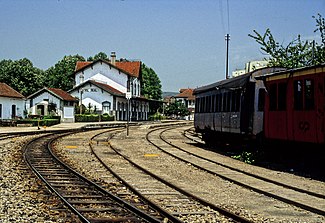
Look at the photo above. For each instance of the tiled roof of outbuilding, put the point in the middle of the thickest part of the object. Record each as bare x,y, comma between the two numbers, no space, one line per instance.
7,91
62,94
186,93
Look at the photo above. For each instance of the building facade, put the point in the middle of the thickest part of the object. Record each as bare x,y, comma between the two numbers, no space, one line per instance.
12,103
112,87
52,101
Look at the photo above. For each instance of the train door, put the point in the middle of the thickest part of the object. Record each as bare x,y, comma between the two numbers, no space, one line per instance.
320,108
304,128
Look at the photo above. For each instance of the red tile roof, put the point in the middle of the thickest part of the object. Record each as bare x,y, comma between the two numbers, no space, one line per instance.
107,88
130,67
62,94
81,64
7,91
186,93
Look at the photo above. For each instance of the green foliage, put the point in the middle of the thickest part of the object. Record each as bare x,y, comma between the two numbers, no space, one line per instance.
246,157
150,83
157,116
297,53
93,118
176,109
39,122
61,75
100,55
21,75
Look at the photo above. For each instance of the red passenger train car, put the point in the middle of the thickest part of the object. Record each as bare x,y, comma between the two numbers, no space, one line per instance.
295,105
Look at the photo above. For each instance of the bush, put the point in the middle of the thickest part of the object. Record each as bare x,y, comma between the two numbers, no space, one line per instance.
93,118
156,116
40,122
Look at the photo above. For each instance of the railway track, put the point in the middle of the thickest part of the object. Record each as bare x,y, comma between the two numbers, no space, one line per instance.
308,200
176,204
89,201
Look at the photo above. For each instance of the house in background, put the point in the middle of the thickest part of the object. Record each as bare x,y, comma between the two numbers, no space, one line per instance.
12,103
186,97
52,101
105,85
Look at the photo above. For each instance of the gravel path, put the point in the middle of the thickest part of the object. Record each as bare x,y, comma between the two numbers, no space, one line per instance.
24,198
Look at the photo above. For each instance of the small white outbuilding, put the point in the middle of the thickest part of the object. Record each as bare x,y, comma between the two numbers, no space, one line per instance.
12,103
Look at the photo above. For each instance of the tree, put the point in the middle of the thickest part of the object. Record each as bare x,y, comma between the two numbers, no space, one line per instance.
100,55
21,75
150,85
61,75
177,109
297,53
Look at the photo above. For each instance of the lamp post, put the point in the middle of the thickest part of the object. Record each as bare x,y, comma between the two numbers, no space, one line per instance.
128,97
80,105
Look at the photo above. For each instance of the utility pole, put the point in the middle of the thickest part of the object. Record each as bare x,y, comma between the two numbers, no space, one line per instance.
227,38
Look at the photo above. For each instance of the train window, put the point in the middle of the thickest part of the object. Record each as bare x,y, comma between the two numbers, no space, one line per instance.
273,97
298,97
219,101
229,101
282,92
261,99
209,104
233,101
203,104
214,103
309,94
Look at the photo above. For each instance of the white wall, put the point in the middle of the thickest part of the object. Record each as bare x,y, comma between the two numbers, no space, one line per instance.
105,74
40,100
7,103
93,95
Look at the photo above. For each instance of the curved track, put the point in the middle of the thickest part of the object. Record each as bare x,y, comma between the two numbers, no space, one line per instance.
176,204
308,200
87,200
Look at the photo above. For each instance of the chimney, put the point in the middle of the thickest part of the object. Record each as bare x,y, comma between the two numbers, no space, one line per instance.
113,58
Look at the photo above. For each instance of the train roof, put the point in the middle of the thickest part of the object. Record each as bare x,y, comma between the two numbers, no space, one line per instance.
282,74
236,82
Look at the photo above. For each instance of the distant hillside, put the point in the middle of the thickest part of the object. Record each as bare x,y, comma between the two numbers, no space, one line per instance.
168,94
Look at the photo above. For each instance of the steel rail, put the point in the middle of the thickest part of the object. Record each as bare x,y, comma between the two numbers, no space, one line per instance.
289,201
100,189
223,211
135,191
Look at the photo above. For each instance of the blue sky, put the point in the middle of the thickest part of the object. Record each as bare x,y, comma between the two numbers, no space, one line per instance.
182,40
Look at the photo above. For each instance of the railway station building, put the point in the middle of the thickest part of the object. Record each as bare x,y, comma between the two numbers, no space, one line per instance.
112,87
